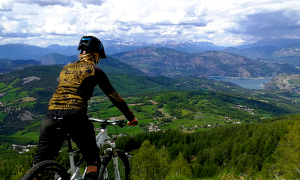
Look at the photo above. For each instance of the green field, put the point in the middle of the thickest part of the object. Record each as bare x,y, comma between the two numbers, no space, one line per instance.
2,116
23,94
2,85
28,104
14,89
191,111
111,112
149,108
164,111
10,86
33,125
32,135
8,97
146,115
126,129
185,112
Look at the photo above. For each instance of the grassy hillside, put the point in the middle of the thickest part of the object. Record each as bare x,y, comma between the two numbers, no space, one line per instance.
24,97
114,66
192,111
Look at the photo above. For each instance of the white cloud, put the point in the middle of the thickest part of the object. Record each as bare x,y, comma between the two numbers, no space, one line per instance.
230,40
168,33
5,5
55,25
221,22
136,30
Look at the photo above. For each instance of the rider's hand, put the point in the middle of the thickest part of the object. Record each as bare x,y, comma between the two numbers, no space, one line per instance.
134,122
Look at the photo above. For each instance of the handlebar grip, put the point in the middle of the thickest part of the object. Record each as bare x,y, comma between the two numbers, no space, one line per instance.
133,123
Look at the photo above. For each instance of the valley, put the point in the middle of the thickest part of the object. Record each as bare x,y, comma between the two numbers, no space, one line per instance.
220,129
190,104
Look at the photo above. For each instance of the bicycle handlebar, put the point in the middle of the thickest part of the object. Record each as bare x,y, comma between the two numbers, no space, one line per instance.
106,122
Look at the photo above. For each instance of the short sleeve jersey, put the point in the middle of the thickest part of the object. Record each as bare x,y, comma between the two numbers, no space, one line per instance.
76,86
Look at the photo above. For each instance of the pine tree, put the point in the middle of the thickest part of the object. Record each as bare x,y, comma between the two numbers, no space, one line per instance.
145,164
287,154
179,168
18,172
164,162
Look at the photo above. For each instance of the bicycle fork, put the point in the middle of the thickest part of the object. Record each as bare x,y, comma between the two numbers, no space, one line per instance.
114,161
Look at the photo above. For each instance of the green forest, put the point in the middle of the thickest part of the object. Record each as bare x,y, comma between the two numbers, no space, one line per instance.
259,150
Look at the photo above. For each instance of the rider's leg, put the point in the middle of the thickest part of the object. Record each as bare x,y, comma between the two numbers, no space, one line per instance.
83,134
50,140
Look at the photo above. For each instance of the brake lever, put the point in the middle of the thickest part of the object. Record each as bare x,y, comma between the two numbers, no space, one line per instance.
120,124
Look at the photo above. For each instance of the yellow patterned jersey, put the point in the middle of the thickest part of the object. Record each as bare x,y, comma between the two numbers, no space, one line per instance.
76,86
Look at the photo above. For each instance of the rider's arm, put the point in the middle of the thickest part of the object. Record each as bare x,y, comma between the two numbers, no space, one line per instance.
114,97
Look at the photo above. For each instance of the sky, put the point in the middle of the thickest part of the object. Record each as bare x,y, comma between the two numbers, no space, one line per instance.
222,22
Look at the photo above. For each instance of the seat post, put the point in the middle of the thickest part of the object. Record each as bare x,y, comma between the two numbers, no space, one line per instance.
71,154
70,149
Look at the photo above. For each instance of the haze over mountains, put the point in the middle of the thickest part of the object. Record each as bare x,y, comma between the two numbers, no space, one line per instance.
24,51
17,51
174,59
172,63
7,65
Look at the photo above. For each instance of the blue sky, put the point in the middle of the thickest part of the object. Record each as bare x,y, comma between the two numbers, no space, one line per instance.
222,22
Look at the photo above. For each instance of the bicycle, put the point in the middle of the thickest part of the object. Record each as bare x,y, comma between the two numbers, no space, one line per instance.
114,162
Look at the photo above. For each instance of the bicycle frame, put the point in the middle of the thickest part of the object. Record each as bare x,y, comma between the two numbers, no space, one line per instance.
101,139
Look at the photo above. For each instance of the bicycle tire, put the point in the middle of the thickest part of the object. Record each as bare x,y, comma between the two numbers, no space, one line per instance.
107,166
46,170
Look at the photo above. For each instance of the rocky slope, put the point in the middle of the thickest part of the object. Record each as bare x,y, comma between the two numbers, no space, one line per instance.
293,50
172,63
283,82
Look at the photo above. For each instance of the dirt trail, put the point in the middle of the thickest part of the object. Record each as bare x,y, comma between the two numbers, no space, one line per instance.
137,104
153,102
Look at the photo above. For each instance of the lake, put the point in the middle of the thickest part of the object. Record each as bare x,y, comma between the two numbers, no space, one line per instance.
245,83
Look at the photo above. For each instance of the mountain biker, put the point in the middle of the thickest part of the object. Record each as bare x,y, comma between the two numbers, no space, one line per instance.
67,110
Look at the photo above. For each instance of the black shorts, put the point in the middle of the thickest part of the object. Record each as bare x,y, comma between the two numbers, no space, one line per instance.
55,127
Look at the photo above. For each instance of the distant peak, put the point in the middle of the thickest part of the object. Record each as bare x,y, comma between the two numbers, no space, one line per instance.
53,46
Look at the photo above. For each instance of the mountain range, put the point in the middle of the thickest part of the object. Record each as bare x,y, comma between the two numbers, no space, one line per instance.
265,58
172,63
168,62
276,42
113,46
285,53
7,65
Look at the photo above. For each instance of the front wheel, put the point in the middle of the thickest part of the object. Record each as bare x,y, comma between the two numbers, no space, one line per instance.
46,170
107,169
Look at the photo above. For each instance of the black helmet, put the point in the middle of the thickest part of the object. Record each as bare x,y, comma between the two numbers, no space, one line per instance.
92,45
